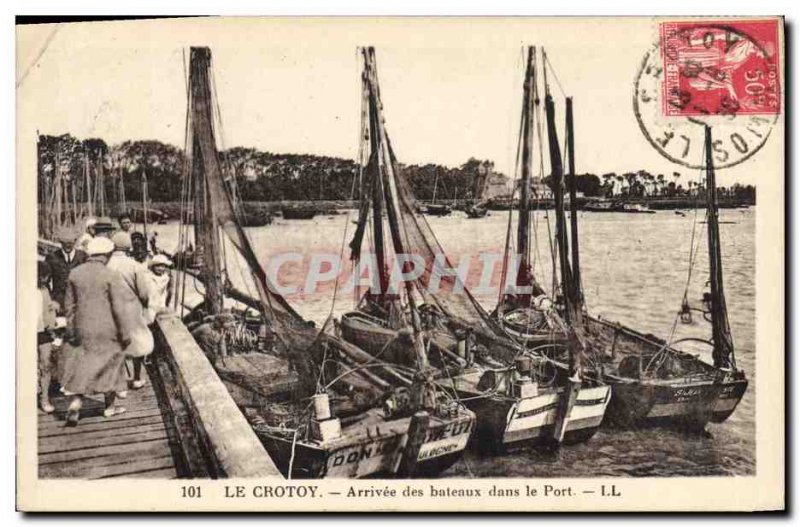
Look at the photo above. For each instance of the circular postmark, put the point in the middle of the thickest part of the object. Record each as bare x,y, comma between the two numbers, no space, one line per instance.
726,76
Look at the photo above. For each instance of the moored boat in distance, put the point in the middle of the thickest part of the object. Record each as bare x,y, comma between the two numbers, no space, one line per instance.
437,209
617,206
299,213
476,211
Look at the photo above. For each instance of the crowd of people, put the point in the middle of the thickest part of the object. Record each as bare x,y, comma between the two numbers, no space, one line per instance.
99,294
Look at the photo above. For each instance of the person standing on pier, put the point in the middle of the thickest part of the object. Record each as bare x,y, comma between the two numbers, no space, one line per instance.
103,227
88,233
136,279
160,286
139,250
45,327
125,222
61,262
98,331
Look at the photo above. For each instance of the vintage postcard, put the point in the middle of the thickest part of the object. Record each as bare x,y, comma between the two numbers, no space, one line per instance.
401,264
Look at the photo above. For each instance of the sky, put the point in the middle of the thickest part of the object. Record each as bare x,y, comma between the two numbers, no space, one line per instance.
452,88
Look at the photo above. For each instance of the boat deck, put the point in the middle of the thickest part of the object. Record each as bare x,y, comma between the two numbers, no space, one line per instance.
136,444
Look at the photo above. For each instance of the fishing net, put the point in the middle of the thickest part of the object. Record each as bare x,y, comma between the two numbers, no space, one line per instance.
383,181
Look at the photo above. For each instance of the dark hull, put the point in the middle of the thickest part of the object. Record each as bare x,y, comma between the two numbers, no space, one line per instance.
687,394
686,406
299,214
438,210
475,213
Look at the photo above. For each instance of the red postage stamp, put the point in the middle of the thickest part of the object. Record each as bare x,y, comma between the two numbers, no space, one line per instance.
721,67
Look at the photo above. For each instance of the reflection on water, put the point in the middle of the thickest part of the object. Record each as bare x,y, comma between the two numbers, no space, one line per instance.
634,270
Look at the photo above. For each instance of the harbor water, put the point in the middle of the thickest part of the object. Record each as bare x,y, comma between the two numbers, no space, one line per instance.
635,269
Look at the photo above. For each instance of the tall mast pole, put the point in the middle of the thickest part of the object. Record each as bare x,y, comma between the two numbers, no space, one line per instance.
523,225
123,202
572,315
573,207
557,173
101,184
393,208
377,181
721,331
204,149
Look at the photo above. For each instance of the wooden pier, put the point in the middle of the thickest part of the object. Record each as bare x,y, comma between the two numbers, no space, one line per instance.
135,444
182,424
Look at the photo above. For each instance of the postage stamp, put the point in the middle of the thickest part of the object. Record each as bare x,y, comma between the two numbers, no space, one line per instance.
721,69
725,74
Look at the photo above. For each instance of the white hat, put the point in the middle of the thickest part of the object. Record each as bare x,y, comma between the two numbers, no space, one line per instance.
91,221
122,241
159,259
99,245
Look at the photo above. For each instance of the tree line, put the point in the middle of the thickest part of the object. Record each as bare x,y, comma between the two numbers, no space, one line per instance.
265,176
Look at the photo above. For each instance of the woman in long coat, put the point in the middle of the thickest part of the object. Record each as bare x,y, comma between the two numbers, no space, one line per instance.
98,331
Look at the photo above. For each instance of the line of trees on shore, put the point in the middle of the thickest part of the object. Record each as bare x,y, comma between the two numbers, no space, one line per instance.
266,176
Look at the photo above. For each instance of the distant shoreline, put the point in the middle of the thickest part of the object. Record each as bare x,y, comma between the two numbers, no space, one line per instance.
263,210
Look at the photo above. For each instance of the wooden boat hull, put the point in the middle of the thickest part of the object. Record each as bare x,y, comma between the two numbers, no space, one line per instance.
299,214
367,333
502,420
370,447
372,451
529,422
437,210
681,405
507,422
476,212
688,399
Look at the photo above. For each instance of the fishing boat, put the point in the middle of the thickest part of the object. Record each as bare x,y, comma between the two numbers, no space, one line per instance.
655,382
617,206
317,409
516,401
433,208
527,314
476,211
636,208
437,209
299,213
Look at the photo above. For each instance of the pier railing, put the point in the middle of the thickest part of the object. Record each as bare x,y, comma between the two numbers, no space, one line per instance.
215,438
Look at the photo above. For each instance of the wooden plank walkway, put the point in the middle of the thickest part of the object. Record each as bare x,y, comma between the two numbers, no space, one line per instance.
136,444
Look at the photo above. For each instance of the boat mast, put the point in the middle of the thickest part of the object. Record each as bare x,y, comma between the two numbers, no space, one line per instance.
721,331
202,135
524,222
557,173
573,208
88,181
396,227
101,184
377,184
120,172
